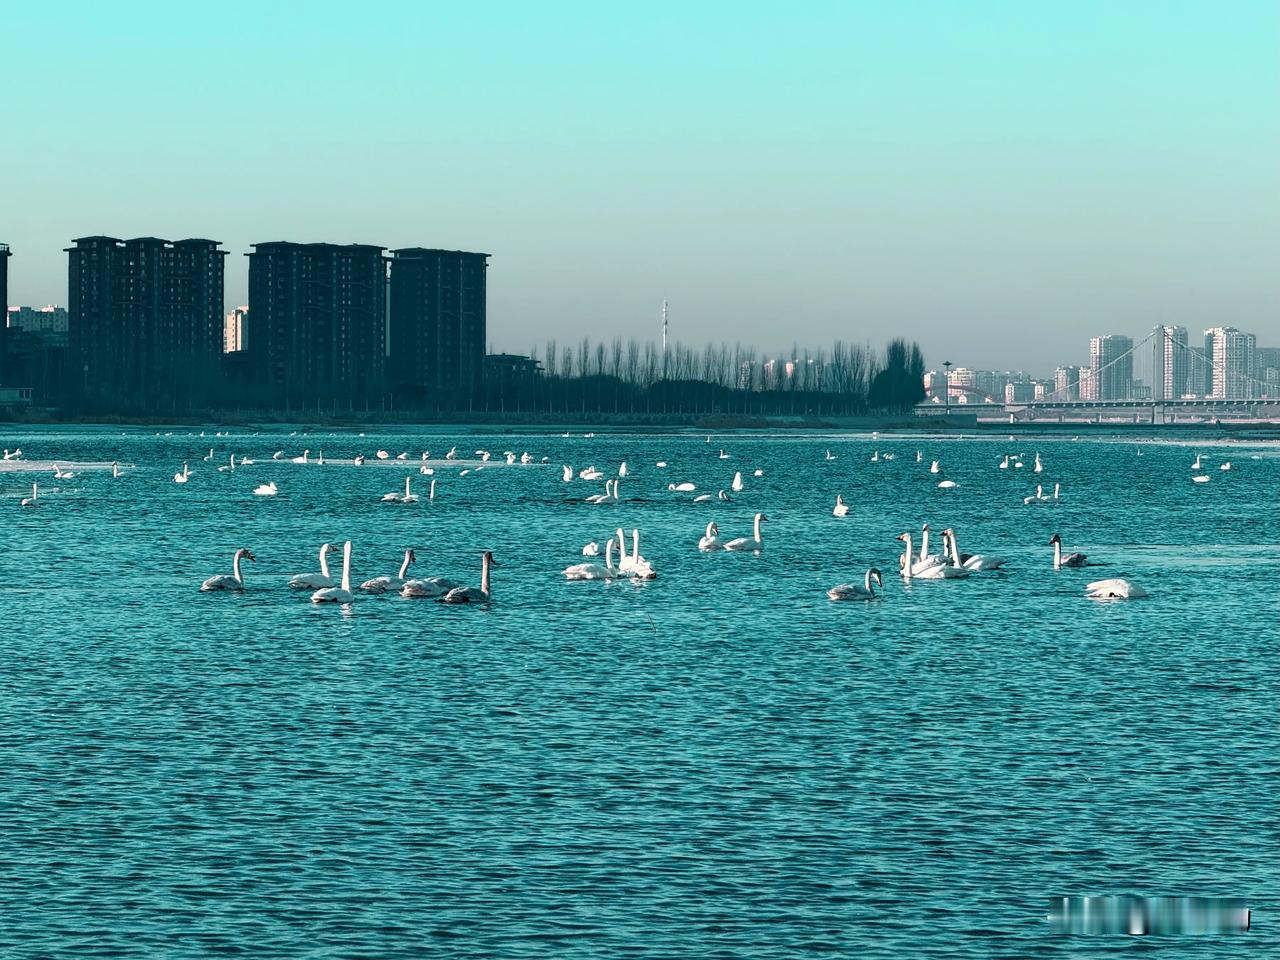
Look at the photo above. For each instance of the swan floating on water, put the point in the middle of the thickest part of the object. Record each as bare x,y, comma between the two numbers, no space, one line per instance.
233,581
711,539
183,475
1201,478
1070,560
1114,589
384,583
939,570
854,591
947,485
60,474
969,561
343,593
267,489
684,487
470,594
314,581
305,458
934,468
841,508
592,549
591,570
736,485
34,499
754,542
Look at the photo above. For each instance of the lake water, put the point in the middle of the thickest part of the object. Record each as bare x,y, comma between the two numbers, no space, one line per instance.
716,763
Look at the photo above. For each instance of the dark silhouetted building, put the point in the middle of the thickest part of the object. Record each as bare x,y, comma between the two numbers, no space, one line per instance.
316,331
145,324
4,276
437,326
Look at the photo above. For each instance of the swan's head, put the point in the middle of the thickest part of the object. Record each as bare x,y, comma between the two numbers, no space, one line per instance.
924,527
1055,539
487,556
762,518
244,554
874,574
328,548
412,557
903,537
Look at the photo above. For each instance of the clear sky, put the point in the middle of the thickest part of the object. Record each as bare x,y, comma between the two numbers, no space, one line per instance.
1000,180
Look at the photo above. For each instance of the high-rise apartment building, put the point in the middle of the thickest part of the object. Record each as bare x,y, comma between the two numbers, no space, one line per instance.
1170,372
1088,384
1269,370
4,305
316,332
144,323
437,329
1232,359
1066,384
233,330
1111,360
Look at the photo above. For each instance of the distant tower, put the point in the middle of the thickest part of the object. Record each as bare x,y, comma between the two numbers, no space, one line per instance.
664,339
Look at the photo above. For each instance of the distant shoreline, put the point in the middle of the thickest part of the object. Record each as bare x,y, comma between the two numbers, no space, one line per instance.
891,424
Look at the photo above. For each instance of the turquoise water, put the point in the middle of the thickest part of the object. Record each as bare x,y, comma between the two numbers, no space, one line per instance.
716,763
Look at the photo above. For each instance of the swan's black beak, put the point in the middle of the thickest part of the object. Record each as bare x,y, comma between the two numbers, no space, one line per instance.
248,555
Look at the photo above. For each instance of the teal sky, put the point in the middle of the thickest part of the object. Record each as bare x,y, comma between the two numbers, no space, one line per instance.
1000,180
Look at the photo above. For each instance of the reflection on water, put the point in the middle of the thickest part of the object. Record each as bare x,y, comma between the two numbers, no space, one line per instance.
718,762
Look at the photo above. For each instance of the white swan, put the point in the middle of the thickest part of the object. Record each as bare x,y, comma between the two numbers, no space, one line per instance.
590,473
305,458
34,499
754,542
684,487
711,539
854,591
592,549
591,570
402,455
1114,589
183,475
1225,465
229,466
427,587
757,472
115,468
566,473
723,455
358,460
736,485
268,489
278,455
933,467
384,583
1039,467
431,493
208,456
703,498
622,469
1070,560
875,457
1004,462
314,581
343,593
470,594
408,497
452,454
601,497
1196,464
722,496
639,568
841,508
234,581
970,561
1201,478
60,474
926,560
829,456
938,571
383,455
1037,497
947,485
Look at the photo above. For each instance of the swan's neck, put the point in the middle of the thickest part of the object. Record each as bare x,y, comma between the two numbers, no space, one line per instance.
433,490
622,545
867,582
924,543
324,561
235,568
484,576
1057,555
906,566
406,486
346,566
608,554
635,546
404,567
955,550
757,529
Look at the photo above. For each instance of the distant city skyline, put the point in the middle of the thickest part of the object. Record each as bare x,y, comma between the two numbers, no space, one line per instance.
1015,175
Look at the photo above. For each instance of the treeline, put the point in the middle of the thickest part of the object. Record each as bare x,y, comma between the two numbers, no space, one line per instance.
630,377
